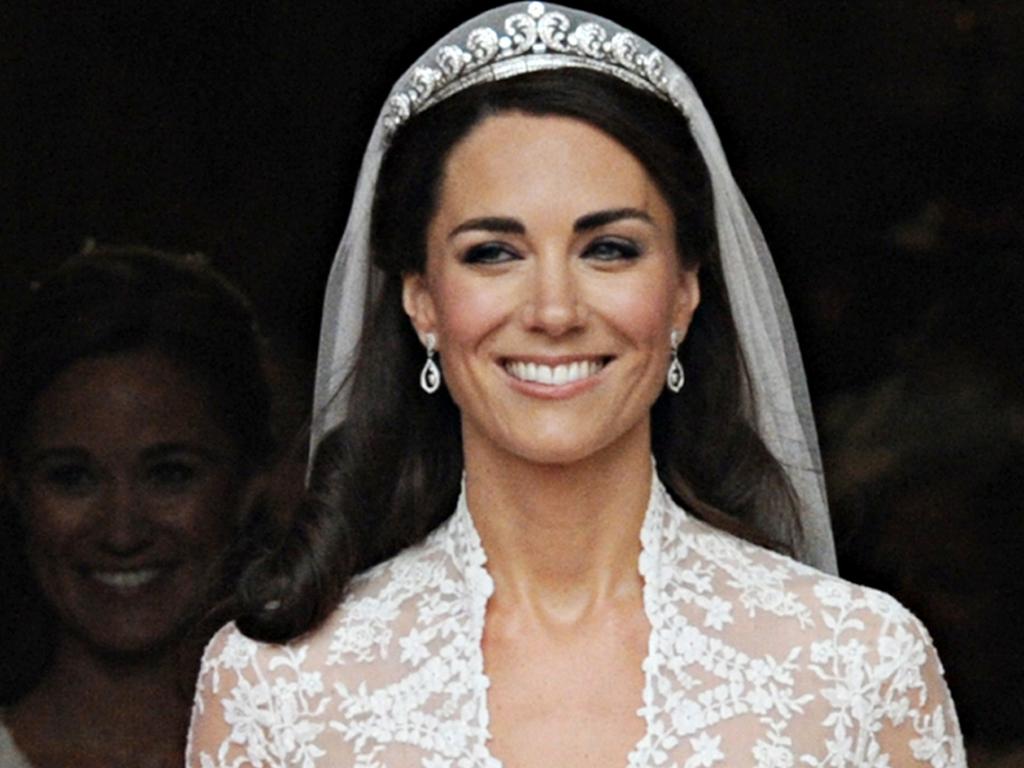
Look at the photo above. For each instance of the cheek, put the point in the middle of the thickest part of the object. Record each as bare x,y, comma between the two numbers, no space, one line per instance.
53,524
641,310
468,310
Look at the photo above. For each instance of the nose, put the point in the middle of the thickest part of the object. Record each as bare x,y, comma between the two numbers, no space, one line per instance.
554,305
126,525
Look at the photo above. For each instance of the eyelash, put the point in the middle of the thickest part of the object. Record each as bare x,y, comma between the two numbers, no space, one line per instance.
172,474
489,253
70,479
498,253
625,250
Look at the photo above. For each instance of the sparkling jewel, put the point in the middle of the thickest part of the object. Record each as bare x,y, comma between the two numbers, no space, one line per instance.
430,377
676,377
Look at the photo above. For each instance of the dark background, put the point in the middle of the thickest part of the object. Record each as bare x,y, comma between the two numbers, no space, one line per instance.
878,141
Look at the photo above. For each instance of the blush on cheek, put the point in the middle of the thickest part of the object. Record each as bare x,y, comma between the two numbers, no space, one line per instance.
640,314
466,313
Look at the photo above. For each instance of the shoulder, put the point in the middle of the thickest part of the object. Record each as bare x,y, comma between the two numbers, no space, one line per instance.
771,586
357,630
779,603
247,694
842,658
258,702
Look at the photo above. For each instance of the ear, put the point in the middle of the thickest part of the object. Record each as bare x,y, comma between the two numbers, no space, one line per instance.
687,299
418,303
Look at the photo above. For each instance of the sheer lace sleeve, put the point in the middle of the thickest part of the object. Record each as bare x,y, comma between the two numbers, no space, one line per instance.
885,703
257,706
922,727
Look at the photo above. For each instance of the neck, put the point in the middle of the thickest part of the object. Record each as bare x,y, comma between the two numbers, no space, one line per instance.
105,707
561,539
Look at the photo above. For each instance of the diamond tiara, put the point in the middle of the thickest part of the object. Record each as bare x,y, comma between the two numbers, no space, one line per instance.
535,40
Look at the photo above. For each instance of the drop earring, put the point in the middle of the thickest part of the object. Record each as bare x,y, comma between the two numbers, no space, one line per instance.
676,377
430,376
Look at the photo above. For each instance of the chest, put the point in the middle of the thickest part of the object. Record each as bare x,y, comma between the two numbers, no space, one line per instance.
569,698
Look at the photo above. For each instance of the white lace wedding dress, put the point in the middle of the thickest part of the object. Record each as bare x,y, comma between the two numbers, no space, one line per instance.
753,660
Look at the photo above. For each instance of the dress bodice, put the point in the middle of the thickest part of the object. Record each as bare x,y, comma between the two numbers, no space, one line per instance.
753,660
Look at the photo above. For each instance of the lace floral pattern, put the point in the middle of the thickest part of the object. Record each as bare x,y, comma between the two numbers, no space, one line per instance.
753,660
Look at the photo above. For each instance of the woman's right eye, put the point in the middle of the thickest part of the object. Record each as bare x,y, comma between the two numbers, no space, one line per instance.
70,479
489,253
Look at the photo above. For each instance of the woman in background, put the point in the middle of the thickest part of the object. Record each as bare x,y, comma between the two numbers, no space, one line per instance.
562,425
134,433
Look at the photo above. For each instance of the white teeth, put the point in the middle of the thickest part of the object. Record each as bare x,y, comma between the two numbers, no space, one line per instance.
557,375
126,579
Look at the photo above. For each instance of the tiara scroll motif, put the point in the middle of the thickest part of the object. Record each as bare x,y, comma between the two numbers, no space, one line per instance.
537,39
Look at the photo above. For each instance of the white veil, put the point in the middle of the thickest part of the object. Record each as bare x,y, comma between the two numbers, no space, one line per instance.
523,37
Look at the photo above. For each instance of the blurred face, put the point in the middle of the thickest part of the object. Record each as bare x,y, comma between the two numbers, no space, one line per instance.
552,284
129,490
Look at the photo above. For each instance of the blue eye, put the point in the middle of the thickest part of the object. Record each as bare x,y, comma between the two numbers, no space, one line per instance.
612,249
489,253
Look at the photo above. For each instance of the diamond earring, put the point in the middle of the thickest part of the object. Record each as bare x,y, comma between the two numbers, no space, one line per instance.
430,376
676,377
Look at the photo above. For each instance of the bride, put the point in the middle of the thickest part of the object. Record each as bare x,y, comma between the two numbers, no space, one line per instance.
566,471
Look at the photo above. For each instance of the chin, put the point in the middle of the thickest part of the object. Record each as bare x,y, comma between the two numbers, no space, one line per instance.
136,626
559,449
131,637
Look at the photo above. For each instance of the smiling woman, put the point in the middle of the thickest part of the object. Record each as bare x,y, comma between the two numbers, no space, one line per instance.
560,308
130,488
561,556
135,426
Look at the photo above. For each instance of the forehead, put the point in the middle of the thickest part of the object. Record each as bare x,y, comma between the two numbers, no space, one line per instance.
136,398
513,158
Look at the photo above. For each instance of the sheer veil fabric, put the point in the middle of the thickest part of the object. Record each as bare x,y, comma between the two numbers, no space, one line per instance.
519,38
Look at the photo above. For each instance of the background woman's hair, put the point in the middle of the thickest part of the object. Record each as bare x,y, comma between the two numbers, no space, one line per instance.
391,473
105,302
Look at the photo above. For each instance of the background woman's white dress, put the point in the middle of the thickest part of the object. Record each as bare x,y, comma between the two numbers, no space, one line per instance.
10,755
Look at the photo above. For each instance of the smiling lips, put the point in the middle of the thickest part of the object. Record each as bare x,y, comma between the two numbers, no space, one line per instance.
554,375
127,580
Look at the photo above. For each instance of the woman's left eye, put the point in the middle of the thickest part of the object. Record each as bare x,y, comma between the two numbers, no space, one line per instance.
489,253
171,475
612,249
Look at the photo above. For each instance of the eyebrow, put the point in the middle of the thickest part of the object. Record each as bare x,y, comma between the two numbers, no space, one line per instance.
150,453
162,451
584,223
56,453
490,224
601,218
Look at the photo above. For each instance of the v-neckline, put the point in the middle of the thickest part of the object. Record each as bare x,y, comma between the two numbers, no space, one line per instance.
471,559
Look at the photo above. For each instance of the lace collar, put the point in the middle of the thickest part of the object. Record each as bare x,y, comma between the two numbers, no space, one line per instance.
461,540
